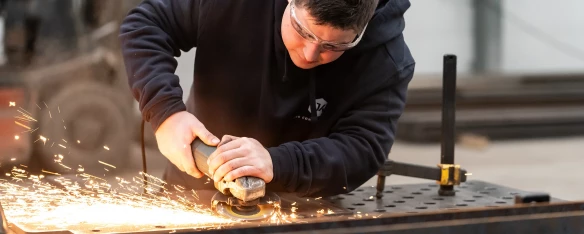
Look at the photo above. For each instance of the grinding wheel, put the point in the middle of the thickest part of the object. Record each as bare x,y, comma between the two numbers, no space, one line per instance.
264,209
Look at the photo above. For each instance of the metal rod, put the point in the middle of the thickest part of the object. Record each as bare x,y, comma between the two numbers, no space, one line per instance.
448,116
380,186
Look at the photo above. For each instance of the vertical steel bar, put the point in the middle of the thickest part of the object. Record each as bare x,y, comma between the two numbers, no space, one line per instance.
448,117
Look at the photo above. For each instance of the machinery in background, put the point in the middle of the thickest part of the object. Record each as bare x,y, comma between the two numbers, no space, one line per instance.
64,79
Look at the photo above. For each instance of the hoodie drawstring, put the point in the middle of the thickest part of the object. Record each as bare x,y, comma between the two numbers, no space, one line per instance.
312,96
285,76
311,88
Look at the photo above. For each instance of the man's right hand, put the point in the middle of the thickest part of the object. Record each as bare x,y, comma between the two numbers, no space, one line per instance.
174,138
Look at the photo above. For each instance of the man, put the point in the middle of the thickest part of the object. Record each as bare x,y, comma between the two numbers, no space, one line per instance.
310,90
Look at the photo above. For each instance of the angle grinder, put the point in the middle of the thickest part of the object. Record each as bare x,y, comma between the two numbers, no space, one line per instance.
243,199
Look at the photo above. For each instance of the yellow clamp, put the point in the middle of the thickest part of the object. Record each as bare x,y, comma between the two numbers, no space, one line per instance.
445,174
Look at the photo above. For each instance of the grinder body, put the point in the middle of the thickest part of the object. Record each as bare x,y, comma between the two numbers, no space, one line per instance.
244,198
246,189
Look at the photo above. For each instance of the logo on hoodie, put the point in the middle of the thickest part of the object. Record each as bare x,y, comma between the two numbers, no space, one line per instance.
320,105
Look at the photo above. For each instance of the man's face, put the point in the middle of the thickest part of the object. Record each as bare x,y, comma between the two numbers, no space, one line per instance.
296,34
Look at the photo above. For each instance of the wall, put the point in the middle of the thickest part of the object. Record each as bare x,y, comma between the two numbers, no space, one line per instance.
558,48
435,27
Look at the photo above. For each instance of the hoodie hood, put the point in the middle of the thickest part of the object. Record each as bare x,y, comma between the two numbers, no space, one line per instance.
386,24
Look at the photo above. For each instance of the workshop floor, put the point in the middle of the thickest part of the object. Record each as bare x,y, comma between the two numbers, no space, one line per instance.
547,165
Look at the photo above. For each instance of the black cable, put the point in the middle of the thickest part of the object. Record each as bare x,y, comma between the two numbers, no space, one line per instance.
144,171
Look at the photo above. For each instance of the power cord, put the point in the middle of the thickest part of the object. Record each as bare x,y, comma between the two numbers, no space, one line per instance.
143,145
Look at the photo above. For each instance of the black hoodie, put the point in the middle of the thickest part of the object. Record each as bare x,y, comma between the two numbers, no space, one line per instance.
328,129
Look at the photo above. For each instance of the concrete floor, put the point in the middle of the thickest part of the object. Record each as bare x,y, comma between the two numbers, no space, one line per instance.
544,165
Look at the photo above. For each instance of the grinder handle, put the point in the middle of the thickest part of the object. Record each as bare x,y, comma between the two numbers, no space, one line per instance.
201,153
246,185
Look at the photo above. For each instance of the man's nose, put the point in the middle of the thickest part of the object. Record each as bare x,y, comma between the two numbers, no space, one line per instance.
311,52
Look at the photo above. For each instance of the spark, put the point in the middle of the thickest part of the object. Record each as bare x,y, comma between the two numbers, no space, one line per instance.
62,146
46,206
25,113
50,116
22,125
46,104
13,159
49,172
107,164
44,139
105,147
78,142
78,202
16,137
318,198
59,109
11,103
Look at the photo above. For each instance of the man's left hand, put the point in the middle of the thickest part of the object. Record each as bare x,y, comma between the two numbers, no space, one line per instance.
240,156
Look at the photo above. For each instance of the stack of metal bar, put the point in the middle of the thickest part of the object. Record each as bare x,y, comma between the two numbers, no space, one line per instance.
499,108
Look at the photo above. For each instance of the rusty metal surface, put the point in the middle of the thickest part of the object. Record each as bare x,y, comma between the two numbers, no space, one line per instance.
412,208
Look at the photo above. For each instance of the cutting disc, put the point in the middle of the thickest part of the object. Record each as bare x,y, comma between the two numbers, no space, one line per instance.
265,208
258,212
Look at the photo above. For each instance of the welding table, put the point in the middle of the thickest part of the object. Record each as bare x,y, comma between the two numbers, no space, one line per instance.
477,207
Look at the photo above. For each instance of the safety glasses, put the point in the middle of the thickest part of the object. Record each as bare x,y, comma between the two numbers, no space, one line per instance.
309,36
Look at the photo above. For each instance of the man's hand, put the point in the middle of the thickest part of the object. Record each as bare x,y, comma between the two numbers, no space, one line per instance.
237,157
174,138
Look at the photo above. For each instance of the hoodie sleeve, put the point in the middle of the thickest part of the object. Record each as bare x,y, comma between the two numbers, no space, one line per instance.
151,36
358,145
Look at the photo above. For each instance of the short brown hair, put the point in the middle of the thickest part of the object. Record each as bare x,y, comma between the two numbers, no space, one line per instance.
342,14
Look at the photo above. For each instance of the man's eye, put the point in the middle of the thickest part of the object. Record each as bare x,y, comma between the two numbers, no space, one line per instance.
330,47
309,37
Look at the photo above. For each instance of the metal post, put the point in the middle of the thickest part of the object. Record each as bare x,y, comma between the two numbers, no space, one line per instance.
448,117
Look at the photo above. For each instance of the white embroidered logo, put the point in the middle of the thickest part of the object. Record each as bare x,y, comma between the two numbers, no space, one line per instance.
320,105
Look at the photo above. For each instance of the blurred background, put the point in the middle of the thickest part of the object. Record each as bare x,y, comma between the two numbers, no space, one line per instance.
520,91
